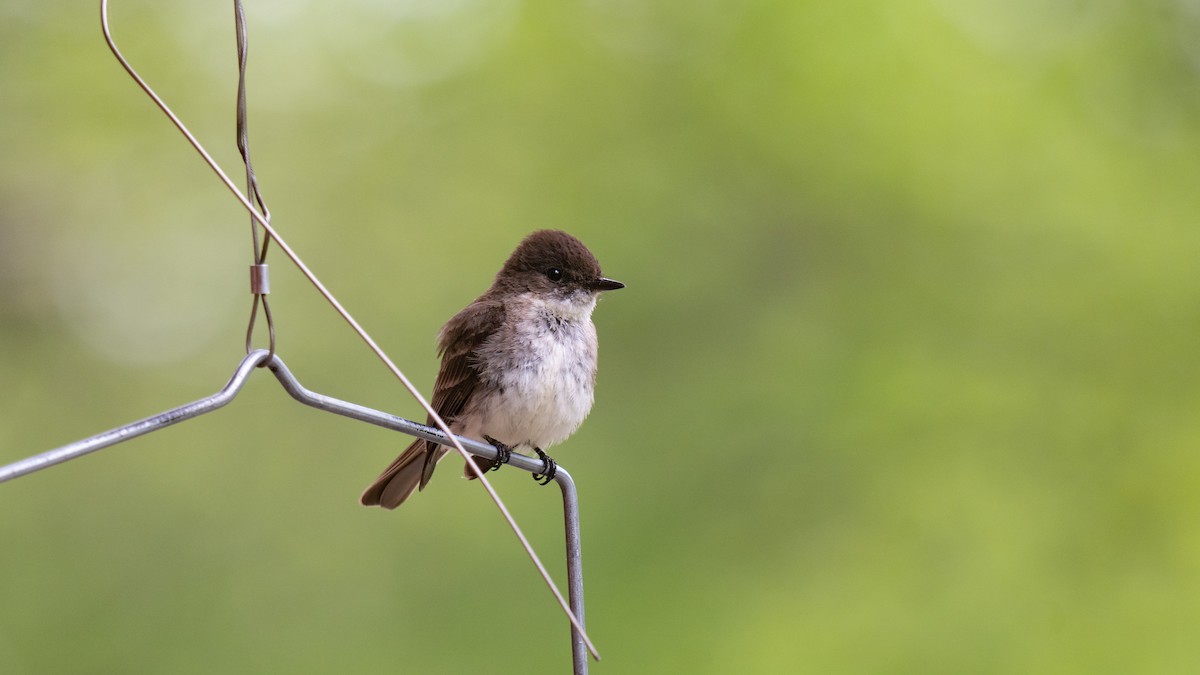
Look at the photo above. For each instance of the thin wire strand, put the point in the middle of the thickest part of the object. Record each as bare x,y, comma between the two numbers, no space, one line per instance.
362,333
252,189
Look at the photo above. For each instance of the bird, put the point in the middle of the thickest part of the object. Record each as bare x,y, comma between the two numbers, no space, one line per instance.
518,364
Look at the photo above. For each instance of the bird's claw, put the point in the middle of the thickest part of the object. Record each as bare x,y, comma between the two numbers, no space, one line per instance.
503,453
549,468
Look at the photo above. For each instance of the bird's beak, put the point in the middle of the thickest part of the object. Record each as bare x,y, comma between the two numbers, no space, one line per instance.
603,284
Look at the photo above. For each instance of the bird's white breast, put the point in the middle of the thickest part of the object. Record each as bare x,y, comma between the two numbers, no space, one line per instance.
540,368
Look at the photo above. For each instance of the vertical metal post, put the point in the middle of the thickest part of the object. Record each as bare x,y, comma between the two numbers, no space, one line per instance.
579,651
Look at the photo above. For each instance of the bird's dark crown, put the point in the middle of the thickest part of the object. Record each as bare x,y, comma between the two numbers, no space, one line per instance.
549,259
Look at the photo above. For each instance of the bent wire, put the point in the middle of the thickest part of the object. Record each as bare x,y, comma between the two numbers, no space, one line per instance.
349,319
261,357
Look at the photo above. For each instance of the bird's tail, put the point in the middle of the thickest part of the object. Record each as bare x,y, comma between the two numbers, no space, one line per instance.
410,472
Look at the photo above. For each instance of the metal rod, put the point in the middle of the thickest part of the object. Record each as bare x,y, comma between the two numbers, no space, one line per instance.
385,420
134,429
579,651
353,323
346,409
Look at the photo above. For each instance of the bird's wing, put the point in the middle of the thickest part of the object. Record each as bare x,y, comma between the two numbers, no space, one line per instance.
456,381
458,342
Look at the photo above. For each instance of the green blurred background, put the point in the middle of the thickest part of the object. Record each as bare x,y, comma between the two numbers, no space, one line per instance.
904,380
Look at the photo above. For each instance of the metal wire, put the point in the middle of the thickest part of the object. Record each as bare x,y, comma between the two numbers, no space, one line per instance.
259,358
243,143
346,316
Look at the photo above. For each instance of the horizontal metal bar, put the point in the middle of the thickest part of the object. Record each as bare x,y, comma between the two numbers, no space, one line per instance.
138,428
388,421
228,392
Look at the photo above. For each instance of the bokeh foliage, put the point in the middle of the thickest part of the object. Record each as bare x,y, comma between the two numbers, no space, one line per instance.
904,379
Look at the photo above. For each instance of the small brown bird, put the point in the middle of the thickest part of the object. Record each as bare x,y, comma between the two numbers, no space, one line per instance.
518,364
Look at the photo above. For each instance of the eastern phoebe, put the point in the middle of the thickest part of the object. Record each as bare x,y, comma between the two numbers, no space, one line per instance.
518,364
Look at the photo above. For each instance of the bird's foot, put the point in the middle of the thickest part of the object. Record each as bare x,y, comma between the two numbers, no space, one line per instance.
549,467
503,453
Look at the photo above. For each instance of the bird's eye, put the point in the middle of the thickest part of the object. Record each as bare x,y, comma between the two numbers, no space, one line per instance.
554,274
